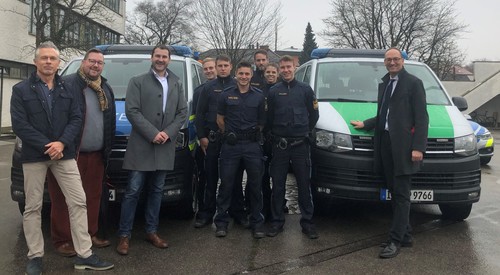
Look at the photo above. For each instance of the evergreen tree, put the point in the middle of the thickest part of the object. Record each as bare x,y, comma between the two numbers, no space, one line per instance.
309,44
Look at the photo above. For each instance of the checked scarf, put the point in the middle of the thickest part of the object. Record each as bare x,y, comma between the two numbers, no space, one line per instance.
96,86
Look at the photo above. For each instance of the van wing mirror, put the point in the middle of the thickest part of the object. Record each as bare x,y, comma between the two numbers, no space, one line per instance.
460,102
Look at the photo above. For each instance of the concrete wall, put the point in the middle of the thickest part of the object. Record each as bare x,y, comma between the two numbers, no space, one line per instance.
482,95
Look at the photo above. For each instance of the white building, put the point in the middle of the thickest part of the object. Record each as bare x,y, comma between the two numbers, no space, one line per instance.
17,34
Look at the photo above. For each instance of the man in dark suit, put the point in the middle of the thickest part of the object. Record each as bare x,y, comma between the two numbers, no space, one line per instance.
401,126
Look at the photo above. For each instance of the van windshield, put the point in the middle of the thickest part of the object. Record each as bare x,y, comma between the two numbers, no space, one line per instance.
118,71
358,81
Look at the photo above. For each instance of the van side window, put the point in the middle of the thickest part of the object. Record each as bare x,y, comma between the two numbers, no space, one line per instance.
299,74
195,75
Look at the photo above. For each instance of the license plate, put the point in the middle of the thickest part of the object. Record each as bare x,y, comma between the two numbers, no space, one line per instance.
112,195
415,195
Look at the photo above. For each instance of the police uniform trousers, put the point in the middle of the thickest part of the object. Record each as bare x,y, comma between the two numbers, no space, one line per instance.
300,158
211,168
400,188
231,157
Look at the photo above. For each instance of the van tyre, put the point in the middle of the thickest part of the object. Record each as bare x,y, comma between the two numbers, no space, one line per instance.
484,160
455,212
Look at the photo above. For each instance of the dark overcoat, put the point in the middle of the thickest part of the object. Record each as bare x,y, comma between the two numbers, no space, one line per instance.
408,123
143,107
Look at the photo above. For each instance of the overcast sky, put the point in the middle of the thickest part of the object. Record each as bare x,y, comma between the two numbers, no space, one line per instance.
481,42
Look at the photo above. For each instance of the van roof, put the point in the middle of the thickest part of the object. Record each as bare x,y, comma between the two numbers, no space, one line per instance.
184,51
350,53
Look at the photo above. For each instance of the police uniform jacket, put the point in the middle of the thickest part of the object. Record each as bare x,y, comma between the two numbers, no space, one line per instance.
242,112
293,109
143,107
258,80
206,111
408,123
36,125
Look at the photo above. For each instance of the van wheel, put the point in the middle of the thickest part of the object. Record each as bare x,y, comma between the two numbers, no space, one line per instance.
484,160
455,212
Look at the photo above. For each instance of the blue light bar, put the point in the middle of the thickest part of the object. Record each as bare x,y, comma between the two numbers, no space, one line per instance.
345,53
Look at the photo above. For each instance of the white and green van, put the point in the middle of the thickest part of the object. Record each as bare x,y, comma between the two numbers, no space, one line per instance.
346,82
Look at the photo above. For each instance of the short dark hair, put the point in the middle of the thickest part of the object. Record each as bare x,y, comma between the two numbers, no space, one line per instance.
264,52
161,47
222,57
93,50
244,64
286,58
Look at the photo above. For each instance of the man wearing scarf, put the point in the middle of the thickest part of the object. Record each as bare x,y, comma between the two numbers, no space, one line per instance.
96,102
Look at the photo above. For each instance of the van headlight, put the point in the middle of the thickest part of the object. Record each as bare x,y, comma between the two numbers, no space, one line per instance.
466,145
332,141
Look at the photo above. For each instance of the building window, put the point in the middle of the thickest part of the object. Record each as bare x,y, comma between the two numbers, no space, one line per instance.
114,5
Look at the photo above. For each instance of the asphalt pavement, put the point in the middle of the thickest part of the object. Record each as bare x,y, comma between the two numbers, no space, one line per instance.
349,240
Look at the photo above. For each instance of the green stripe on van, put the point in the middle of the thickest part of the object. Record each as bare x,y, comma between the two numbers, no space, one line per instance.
355,111
440,125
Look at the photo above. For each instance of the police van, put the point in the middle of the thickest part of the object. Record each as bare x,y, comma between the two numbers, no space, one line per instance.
345,82
122,63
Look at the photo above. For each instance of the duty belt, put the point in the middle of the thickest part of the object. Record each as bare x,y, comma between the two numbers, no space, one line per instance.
213,136
284,142
232,137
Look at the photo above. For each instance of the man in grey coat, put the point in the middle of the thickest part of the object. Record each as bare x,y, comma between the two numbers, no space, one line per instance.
156,108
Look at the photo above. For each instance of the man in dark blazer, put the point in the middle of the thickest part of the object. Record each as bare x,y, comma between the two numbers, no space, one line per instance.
401,126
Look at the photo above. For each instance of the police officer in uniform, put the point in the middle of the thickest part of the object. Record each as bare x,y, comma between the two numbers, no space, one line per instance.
210,73
241,116
260,60
208,134
293,113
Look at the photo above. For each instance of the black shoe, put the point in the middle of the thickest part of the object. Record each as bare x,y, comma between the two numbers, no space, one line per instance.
221,232
407,242
390,251
34,266
243,222
199,223
274,230
258,233
310,232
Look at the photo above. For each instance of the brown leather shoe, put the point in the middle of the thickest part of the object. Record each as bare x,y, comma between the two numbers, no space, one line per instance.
156,240
66,250
123,245
99,243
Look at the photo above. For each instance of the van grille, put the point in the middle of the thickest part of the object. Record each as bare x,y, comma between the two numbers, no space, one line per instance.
436,147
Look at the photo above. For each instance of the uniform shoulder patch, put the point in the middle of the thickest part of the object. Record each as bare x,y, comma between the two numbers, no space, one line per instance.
315,104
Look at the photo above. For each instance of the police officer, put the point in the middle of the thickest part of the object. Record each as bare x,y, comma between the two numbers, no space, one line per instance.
271,77
241,116
208,134
260,60
293,113
210,73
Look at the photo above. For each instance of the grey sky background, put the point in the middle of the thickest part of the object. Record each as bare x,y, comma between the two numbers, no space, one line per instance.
480,42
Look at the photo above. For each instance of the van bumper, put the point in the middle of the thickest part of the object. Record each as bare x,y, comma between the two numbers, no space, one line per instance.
350,176
178,182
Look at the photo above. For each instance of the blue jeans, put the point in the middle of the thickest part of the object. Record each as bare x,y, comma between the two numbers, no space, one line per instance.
136,180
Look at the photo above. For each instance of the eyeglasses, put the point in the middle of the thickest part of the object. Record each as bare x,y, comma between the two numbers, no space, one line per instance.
96,62
395,59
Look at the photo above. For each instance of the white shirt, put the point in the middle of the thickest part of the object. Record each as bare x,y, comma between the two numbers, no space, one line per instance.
164,84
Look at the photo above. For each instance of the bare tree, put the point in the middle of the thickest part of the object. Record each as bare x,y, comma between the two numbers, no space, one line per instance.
232,27
165,22
426,29
61,21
